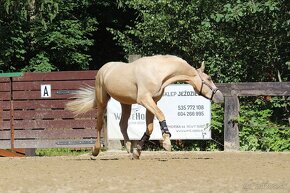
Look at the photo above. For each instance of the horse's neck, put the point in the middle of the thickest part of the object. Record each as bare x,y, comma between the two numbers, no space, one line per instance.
185,75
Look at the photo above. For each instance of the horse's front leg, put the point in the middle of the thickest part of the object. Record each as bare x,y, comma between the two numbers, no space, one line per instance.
166,143
151,106
146,135
126,112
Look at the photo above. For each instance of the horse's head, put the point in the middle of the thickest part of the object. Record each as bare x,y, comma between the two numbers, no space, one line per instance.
206,87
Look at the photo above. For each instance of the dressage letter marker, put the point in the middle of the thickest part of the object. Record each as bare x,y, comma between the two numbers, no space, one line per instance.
45,91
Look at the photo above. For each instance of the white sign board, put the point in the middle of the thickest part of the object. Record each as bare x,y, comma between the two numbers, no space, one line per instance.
188,116
45,90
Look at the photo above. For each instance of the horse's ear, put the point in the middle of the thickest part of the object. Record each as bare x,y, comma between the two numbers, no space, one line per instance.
202,67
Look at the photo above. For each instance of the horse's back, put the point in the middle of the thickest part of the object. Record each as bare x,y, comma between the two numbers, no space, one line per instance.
124,81
158,60
141,65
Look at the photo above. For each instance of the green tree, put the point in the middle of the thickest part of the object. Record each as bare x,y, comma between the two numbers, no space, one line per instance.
237,39
45,35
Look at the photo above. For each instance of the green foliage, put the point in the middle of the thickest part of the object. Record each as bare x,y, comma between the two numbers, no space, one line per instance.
217,125
257,132
40,63
281,108
60,152
45,35
236,38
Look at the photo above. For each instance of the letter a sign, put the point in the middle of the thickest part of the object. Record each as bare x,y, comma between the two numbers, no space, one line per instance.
46,91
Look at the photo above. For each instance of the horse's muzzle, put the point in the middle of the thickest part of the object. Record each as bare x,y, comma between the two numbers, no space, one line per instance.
218,97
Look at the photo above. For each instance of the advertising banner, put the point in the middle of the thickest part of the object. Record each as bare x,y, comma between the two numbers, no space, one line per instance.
188,116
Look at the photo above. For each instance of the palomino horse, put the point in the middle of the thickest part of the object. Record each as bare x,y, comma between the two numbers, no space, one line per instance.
143,82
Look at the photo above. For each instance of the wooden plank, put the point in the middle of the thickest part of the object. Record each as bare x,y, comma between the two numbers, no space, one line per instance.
47,114
231,130
256,89
58,143
36,95
55,85
56,134
5,135
44,104
32,95
1,114
18,150
4,79
5,125
35,124
49,133
41,124
5,144
4,115
5,105
225,88
9,153
63,75
5,96
261,88
4,87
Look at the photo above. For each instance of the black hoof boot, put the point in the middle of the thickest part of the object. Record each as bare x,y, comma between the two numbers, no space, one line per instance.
141,143
137,151
164,128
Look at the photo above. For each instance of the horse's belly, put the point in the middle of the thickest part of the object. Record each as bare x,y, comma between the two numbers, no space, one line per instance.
123,94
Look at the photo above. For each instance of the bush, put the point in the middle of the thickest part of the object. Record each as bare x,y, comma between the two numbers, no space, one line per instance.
258,132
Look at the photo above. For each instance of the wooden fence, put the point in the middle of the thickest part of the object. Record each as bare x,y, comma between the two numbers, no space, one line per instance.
30,120
232,107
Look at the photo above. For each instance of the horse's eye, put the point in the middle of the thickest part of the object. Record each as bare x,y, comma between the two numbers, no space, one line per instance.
209,79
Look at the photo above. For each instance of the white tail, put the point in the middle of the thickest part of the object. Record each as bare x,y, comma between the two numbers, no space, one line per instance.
84,101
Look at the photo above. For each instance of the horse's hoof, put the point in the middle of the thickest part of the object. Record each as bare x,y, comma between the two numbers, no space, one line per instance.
128,146
166,143
95,151
93,157
136,153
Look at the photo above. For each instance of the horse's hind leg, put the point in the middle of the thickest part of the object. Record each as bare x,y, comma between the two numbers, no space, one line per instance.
126,112
102,99
99,126
146,136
